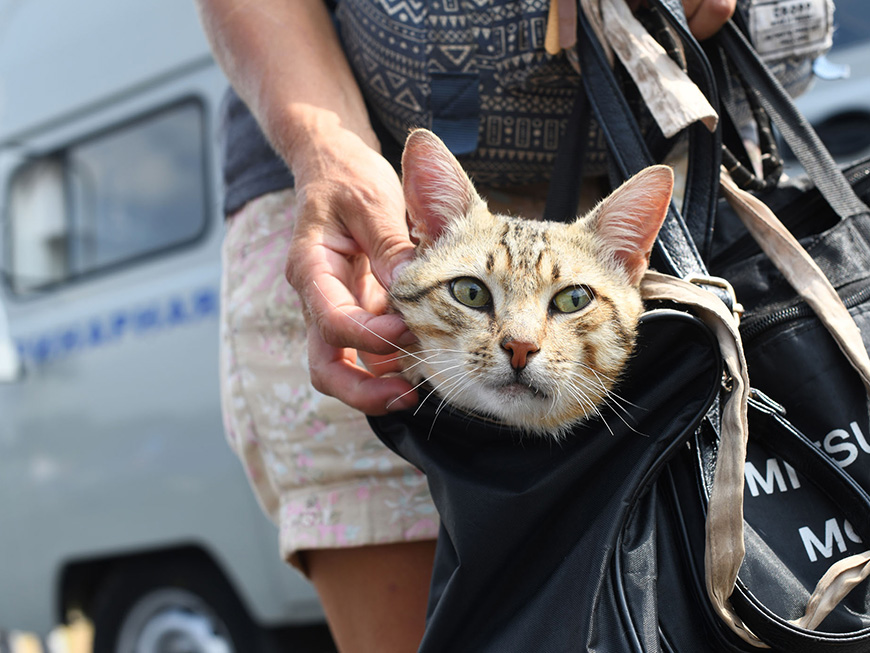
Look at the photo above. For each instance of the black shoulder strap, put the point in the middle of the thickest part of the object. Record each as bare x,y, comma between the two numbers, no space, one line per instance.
563,194
795,129
676,251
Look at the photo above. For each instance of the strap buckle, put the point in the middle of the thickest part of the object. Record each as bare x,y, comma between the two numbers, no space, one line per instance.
722,289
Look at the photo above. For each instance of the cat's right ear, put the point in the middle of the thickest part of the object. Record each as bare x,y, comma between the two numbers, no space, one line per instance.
437,190
628,220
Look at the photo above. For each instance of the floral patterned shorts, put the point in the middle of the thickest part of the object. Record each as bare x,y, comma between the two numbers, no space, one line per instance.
316,467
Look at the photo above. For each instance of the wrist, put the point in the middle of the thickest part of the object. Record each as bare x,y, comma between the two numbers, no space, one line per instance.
307,132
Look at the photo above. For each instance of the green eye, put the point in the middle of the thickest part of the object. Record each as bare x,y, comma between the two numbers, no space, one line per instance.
572,299
470,292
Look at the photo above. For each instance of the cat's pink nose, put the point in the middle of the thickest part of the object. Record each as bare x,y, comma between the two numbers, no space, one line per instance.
520,352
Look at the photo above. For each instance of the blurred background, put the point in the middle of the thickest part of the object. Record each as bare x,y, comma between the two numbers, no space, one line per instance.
122,509
126,523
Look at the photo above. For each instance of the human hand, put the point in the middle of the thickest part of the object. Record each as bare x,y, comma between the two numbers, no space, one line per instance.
350,237
706,17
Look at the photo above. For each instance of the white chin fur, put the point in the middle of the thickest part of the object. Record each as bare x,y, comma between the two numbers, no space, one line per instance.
524,410
539,413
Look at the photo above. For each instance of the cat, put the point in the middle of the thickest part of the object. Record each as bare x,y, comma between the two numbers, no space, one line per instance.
529,323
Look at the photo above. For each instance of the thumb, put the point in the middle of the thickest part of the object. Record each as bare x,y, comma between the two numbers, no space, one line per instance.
383,234
390,255
377,221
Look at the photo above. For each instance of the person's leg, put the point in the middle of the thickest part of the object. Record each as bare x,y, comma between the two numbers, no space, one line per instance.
374,596
363,515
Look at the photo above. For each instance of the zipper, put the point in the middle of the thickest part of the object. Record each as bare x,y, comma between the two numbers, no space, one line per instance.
857,177
798,211
755,327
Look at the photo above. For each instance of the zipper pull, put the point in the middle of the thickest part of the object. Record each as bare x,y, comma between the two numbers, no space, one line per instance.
760,398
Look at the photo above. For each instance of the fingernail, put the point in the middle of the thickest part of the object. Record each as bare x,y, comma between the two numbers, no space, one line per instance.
407,338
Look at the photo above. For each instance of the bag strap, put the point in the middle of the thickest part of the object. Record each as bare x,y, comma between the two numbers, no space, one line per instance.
676,251
801,272
724,547
796,131
767,91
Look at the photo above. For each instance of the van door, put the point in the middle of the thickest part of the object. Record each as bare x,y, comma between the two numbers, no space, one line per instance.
113,440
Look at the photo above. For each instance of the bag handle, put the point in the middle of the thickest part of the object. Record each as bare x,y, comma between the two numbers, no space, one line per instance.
675,251
796,131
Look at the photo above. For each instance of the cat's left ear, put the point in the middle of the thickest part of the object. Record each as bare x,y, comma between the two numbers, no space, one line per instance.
628,220
437,190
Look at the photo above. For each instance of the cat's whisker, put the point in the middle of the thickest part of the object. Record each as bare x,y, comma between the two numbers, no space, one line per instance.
579,394
599,388
606,398
437,387
593,408
619,401
600,415
464,378
416,355
416,387
611,400
459,383
360,324
430,359
456,389
610,392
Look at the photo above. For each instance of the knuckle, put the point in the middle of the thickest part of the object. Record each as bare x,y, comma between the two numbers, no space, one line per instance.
293,271
721,9
318,380
391,247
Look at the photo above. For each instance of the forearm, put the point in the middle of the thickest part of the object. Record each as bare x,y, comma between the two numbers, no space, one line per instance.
284,59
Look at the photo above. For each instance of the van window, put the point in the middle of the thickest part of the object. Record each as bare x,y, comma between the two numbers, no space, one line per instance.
109,199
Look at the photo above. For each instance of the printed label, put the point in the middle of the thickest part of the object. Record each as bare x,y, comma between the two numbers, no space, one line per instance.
782,28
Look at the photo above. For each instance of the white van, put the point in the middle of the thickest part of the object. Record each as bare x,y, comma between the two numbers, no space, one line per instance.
119,496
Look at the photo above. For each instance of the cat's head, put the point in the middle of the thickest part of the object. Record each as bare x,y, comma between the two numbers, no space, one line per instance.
529,323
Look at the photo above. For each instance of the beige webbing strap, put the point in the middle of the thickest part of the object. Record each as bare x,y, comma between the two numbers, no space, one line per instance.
802,273
724,529
724,533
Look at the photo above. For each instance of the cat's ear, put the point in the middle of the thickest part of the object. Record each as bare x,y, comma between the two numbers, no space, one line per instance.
628,220
437,190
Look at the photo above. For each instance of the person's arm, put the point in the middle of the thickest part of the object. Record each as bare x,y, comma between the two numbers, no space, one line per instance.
284,59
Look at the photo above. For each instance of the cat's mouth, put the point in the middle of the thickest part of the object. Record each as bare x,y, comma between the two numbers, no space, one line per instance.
521,390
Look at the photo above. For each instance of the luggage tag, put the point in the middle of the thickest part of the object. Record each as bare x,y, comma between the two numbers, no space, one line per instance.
785,28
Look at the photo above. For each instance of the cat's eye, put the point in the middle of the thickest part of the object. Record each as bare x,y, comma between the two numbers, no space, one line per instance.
573,299
470,292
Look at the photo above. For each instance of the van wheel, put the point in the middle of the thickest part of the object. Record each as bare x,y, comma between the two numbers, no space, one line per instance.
177,609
